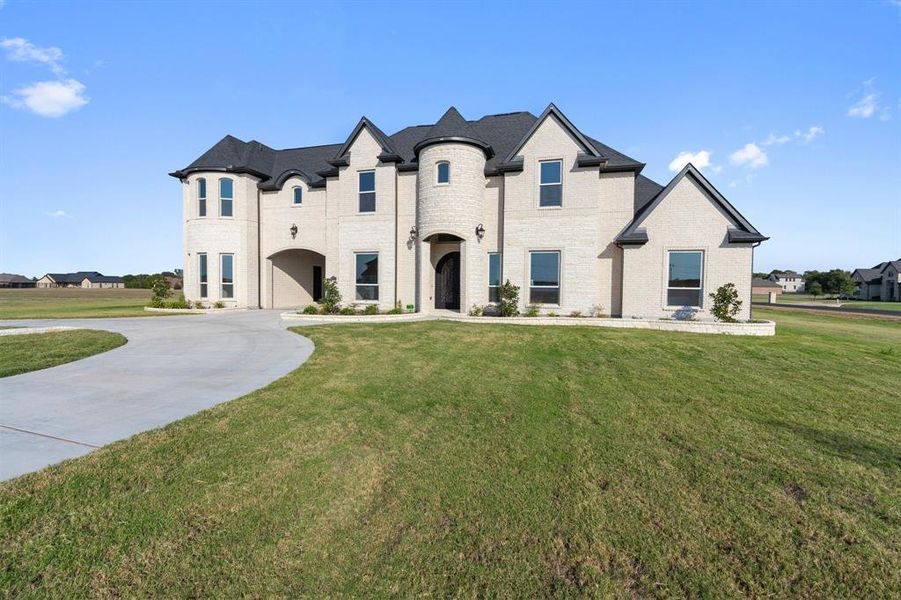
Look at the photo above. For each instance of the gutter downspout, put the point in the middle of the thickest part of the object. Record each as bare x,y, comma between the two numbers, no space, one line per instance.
396,240
259,254
751,306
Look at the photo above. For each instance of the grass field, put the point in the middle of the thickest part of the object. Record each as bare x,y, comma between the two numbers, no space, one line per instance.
72,303
451,459
30,352
817,300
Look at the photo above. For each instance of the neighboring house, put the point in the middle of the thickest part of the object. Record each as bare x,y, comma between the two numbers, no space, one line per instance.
879,282
789,281
765,286
438,216
11,280
84,279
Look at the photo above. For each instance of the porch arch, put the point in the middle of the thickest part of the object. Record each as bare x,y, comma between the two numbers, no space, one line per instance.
295,277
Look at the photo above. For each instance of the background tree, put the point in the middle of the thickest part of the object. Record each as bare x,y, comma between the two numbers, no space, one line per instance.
815,288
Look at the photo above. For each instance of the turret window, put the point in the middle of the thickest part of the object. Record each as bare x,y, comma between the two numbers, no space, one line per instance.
551,183
226,197
443,173
367,191
201,197
298,196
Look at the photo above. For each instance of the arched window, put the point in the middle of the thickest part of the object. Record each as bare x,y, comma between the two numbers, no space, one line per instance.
298,196
226,197
442,173
201,197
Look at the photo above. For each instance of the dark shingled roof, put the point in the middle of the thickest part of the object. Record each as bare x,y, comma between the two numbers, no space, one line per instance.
452,127
645,191
73,277
873,275
501,133
756,283
13,278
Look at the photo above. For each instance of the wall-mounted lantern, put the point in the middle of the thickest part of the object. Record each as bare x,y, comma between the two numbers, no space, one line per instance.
413,233
480,231
293,231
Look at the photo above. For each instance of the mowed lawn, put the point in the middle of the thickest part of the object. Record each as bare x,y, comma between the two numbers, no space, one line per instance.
72,303
33,351
452,459
817,300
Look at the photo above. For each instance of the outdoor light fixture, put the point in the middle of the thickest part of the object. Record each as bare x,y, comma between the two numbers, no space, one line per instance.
293,231
413,233
480,231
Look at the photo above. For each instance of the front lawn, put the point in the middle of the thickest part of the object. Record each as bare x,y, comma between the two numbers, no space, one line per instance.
33,351
452,459
827,301
72,303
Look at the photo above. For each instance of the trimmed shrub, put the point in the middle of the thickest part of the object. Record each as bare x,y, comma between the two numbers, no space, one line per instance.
726,303
331,297
476,311
531,310
508,299
218,304
371,309
576,314
311,309
347,311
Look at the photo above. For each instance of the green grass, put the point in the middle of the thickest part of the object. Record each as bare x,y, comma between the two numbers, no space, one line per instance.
72,303
33,351
452,459
827,301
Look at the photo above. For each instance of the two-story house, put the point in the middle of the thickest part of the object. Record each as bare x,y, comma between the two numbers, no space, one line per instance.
881,282
437,216
789,281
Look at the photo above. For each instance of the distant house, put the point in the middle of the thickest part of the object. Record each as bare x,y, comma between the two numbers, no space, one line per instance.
764,286
880,282
789,281
11,280
82,279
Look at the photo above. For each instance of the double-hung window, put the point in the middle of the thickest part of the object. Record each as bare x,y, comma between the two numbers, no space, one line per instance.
367,191
227,275
367,270
494,276
201,197
684,285
298,196
226,197
442,173
202,271
544,278
550,188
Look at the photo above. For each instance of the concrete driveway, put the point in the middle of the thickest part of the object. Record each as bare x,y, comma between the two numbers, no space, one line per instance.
170,368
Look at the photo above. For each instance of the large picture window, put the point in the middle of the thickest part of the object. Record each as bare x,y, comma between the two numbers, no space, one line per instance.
227,275
367,191
202,271
226,197
550,188
685,280
367,270
494,276
544,278
201,197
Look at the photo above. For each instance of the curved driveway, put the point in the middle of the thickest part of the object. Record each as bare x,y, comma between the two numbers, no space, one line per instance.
170,368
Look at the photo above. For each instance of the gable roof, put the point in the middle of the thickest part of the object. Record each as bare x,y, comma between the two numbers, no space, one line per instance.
13,278
757,283
745,233
500,135
788,273
896,264
550,111
869,275
77,277
98,278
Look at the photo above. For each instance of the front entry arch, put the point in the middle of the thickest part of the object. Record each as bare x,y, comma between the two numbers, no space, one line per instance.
295,278
447,282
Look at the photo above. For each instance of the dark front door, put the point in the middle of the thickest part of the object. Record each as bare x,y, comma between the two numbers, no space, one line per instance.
317,283
447,282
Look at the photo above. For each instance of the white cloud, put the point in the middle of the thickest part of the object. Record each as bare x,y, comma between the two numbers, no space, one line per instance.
57,214
700,160
811,133
869,103
49,98
21,50
750,156
777,140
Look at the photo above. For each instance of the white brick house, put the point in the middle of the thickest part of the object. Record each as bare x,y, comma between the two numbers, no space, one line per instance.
435,216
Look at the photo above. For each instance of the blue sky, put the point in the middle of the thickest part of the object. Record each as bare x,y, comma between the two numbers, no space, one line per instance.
793,110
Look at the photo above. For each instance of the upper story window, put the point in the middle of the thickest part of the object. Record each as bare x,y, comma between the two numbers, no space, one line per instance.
226,197
551,183
367,191
298,196
227,275
494,276
201,197
367,270
684,283
442,173
544,278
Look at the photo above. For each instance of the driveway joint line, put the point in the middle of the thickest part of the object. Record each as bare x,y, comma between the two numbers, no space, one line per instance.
47,435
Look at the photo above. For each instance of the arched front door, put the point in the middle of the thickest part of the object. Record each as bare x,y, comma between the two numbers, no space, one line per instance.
447,281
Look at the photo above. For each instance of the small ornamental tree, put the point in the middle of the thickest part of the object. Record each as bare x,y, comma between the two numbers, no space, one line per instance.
726,303
161,291
331,297
508,300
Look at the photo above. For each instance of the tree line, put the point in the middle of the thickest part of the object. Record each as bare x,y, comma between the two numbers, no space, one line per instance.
816,283
146,281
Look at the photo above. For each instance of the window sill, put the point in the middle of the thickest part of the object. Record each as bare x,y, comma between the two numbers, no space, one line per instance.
550,207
